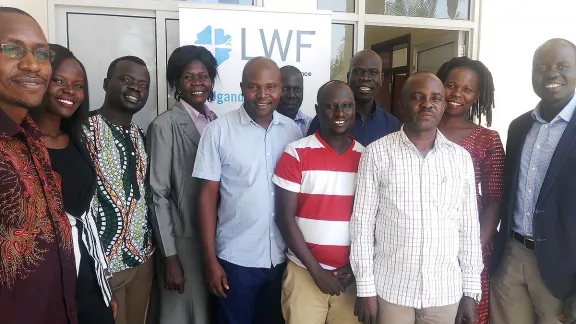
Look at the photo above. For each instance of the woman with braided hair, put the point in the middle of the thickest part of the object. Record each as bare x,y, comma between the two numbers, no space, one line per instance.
470,94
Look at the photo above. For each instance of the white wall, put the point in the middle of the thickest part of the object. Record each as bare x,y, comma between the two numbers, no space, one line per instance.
37,8
511,30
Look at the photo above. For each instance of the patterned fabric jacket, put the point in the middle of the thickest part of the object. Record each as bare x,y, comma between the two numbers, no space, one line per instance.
120,209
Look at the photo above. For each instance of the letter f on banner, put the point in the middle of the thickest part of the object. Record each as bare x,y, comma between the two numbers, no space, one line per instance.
299,42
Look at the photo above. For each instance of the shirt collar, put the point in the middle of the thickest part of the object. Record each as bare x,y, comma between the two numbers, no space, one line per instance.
246,119
300,115
9,128
440,139
565,114
195,112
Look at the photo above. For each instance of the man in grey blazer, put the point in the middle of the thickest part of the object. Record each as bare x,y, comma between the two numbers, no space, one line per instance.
182,296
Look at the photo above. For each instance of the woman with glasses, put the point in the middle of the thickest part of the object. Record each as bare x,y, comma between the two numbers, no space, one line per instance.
60,118
172,142
470,93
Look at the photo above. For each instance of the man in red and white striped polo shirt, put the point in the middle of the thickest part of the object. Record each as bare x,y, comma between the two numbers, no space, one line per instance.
315,182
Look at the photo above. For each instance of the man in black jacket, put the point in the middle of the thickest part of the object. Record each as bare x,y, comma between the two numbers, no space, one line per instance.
534,265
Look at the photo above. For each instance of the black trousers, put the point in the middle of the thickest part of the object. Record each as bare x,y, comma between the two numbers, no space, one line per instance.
89,301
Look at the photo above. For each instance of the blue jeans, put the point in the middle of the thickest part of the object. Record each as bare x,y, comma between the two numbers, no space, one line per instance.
254,295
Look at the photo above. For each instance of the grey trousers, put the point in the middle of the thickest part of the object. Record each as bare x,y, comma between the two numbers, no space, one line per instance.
195,305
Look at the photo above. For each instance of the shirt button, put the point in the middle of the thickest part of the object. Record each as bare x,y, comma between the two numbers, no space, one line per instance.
529,190
270,174
132,153
533,169
527,214
272,194
537,147
273,214
545,126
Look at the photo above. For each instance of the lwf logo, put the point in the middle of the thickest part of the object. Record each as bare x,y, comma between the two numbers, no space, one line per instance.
221,43
218,40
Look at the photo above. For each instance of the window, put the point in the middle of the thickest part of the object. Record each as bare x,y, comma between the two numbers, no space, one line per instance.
336,5
115,36
446,9
342,50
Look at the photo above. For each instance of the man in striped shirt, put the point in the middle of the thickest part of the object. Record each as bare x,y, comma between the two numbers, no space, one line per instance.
414,232
315,182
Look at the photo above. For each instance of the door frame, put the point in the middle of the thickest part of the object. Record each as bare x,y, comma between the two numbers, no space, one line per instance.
389,73
459,38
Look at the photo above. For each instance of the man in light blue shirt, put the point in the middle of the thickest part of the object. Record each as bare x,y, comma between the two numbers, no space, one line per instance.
244,253
292,96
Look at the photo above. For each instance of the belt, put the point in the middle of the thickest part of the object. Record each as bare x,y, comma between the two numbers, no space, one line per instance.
526,241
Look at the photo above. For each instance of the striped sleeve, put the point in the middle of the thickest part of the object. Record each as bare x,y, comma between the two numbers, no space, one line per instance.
288,174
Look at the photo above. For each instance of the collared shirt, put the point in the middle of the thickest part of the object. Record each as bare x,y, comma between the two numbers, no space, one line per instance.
36,255
303,121
242,155
380,124
537,153
121,211
414,230
199,120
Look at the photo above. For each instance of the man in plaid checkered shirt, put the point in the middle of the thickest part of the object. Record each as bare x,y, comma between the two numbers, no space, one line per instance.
414,231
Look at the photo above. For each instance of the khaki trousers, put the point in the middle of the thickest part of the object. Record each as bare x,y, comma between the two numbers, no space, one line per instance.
132,288
518,295
303,302
394,314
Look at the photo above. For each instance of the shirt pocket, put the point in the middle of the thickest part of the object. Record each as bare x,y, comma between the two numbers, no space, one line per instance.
448,197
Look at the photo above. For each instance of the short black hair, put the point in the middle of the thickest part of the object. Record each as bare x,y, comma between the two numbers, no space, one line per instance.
322,89
130,58
556,40
15,11
183,56
485,103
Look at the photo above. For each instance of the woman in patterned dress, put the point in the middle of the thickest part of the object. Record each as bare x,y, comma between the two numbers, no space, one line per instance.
470,93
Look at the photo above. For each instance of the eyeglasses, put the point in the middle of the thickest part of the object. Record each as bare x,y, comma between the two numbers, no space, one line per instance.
18,52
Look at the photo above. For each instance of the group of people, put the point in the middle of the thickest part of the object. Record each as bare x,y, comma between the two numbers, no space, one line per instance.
267,215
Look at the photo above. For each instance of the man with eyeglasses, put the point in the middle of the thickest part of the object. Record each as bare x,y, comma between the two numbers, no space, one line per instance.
365,80
37,268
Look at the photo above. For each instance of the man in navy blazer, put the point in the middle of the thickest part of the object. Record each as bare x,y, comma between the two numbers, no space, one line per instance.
534,264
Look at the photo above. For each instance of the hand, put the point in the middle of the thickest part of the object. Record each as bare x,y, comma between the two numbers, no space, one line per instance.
344,275
568,315
467,312
114,306
217,280
173,274
366,308
327,282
